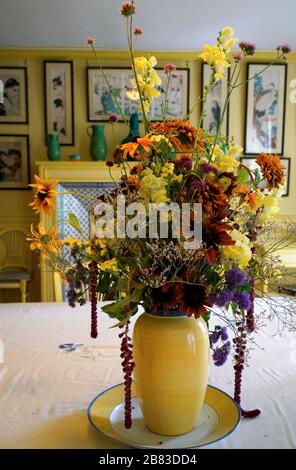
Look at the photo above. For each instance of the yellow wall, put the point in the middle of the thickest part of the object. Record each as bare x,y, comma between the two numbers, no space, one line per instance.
14,210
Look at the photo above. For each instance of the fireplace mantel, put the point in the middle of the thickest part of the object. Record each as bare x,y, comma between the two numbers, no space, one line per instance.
68,172
76,171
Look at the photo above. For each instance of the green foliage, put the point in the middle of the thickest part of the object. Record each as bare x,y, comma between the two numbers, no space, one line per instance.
242,175
74,222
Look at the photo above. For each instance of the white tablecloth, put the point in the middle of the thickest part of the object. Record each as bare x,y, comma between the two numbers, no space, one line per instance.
44,392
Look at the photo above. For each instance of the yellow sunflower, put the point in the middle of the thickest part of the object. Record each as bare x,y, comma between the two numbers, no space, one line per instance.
44,242
44,192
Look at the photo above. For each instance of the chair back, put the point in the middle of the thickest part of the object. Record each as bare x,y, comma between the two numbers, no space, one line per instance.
14,251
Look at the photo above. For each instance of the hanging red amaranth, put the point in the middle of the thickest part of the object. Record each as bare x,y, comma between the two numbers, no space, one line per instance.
239,357
127,367
94,298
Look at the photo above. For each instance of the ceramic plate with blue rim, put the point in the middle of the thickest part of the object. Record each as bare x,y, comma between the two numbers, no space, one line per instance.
219,417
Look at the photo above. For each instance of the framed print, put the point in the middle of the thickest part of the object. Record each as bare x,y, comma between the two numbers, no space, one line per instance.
14,162
265,109
215,102
14,109
250,162
59,103
100,102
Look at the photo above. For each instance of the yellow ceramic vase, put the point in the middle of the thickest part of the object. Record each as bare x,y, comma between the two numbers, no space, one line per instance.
171,374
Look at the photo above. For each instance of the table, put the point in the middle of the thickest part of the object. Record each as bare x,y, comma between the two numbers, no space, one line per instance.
45,391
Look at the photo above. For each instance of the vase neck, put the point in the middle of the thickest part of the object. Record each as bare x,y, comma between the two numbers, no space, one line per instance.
170,314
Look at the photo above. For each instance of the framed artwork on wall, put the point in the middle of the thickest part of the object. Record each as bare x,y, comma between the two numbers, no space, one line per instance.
100,102
14,162
250,162
265,109
59,102
214,103
14,109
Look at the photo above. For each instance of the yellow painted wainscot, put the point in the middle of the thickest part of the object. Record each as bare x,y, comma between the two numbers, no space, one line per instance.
68,172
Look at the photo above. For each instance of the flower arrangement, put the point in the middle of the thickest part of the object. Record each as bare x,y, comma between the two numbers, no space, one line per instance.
180,165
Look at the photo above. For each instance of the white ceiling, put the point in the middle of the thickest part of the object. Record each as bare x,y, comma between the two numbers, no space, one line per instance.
168,24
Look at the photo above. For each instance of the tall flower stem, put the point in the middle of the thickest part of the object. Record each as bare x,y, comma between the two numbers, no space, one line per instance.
129,31
226,103
109,86
165,108
206,91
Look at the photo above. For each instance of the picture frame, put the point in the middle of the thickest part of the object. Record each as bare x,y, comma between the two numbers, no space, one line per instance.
265,108
14,161
14,109
250,162
214,102
59,100
100,103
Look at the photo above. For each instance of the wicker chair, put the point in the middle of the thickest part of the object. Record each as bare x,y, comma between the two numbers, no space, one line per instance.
15,261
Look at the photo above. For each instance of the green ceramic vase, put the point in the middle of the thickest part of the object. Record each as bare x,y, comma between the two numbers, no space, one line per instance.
53,147
98,144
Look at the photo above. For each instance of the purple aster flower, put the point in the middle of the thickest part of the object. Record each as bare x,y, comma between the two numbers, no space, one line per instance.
221,299
243,300
248,48
184,163
284,48
236,278
214,337
220,355
224,334
207,168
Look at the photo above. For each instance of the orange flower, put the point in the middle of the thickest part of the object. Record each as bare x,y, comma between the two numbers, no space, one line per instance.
133,181
129,149
44,242
250,198
145,143
44,193
271,168
180,133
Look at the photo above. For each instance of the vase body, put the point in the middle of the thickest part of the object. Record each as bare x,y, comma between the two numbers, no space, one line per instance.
171,354
53,147
134,131
98,143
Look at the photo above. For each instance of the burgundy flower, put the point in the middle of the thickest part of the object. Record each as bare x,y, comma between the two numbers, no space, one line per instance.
90,40
110,163
195,184
207,168
127,9
138,31
184,163
248,48
169,68
284,48
237,57
113,118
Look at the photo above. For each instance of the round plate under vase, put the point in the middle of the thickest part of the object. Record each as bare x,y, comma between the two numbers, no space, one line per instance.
219,417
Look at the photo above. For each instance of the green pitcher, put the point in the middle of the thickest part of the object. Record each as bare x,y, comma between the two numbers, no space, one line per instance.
98,144
53,147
